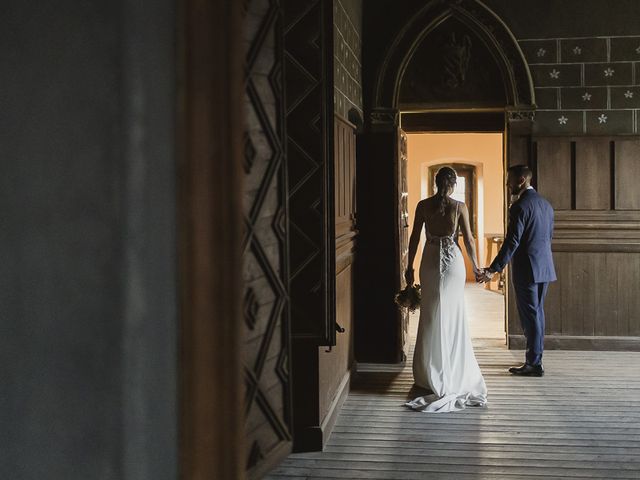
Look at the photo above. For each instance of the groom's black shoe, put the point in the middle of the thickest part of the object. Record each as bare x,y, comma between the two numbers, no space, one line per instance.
528,370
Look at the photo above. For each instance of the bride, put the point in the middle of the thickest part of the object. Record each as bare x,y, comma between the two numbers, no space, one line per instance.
444,361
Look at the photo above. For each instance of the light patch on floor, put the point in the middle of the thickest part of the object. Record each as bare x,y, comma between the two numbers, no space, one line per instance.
485,314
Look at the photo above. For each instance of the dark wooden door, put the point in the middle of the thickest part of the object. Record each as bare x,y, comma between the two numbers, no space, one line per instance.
308,80
309,115
345,210
266,266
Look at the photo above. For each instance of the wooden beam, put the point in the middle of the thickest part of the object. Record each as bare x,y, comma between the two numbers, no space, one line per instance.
211,125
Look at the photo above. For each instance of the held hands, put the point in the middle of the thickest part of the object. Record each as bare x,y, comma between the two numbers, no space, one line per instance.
408,276
483,275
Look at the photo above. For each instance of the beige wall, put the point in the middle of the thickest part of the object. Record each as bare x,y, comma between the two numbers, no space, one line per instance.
484,150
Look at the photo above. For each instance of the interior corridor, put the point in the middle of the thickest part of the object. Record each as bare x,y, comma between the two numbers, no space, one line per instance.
581,420
485,311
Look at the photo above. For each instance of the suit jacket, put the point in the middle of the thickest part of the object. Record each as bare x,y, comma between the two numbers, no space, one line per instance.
527,244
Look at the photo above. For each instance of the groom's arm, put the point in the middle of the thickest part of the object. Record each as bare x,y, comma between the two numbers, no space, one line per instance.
511,241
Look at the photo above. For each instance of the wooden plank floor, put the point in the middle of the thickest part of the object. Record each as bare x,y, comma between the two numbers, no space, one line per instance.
581,420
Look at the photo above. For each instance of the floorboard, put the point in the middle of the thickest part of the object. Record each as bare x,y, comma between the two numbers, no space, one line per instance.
580,421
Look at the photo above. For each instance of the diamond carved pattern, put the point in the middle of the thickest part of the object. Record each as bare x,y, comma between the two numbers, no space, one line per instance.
251,308
255,455
305,86
266,309
249,153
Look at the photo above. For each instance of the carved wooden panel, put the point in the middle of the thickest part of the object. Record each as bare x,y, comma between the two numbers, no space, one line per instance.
345,183
345,175
627,173
596,241
593,174
593,295
309,105
266,309
452,66
491,43
554,171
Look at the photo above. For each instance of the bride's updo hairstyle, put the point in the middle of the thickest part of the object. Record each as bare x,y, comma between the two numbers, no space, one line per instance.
445,180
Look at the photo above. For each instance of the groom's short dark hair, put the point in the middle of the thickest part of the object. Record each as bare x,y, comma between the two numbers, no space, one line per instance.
521,171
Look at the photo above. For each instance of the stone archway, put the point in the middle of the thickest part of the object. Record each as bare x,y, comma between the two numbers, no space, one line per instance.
488,29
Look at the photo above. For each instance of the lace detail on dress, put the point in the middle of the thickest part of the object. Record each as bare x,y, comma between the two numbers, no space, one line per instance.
446,249
446,246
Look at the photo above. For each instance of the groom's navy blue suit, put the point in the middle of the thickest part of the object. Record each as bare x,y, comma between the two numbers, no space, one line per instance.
527,245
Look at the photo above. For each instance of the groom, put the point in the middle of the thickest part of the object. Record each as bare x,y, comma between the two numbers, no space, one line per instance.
527,245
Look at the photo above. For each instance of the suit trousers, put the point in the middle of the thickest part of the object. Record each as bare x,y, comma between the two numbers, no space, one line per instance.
530,302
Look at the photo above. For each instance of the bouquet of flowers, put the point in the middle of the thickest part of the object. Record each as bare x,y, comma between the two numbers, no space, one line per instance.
409,298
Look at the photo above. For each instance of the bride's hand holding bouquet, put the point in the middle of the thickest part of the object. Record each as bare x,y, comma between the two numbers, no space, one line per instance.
409,298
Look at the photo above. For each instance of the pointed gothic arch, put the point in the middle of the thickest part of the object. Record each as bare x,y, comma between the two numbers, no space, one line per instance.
381,145
487,27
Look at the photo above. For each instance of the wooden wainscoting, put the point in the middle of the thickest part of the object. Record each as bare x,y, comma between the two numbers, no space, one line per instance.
591,184
335,363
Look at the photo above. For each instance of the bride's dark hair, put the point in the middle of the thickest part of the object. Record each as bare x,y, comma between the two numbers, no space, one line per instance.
445,179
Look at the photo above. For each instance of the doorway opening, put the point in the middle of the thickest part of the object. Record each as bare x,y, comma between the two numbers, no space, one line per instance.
454,67
478,159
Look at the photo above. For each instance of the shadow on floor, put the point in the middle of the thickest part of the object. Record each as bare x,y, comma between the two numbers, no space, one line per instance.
385,383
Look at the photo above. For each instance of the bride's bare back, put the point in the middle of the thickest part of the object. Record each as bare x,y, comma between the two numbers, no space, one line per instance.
438,225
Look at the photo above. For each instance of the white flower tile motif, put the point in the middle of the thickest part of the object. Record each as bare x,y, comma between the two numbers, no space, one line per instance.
590,98
590,87
624,97
564,122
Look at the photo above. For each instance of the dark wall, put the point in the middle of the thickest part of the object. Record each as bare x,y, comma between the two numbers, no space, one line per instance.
88,277
568,18
581,56
347,45
376,277
381,22
594,91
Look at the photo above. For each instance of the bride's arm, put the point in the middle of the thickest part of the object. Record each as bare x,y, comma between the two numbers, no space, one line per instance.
469,241
414,240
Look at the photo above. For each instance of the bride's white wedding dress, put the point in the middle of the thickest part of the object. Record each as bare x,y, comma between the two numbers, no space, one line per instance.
444,361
